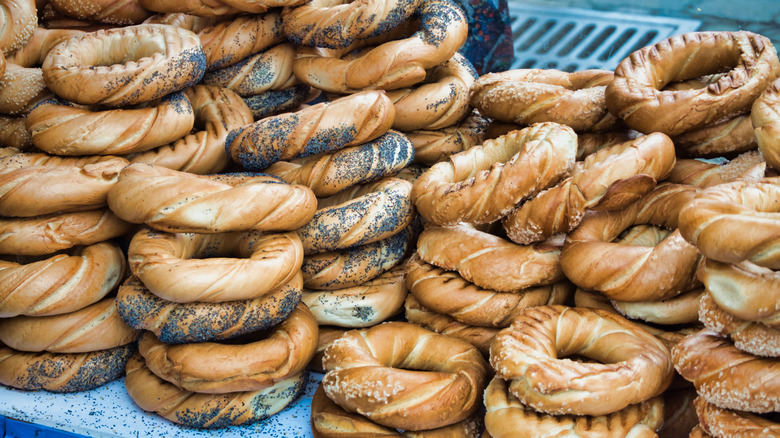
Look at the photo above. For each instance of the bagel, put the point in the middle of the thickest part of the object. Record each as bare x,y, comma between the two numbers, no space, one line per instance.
532,355
364,375
698,432
616,175
34,51
62,372
207,411
18,21
485,183
765,123
119,12
217,111
680,309
394,64
14,133
275,102
176,323
62,283
725,376
228,42
748,336
432,146
188,267
208,8
175,201
329,173
727,138
748,166
61,128
47,234
20,89
124,66
721,423
95,327
637,93
528,96
270,69
316,129
256,362
359,306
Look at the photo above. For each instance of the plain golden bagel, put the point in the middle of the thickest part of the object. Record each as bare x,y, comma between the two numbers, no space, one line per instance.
124,66
727,138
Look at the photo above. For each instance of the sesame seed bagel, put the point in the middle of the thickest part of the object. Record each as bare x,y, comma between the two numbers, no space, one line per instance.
21,88
119,12
749,336
18,21
722,423
32,53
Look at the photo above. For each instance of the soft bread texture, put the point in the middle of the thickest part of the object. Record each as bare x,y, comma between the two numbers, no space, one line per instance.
401,375
175,201
765,121
61,283
637,93
119,12
532,355
124,66
748,336
726,376
312,130
95,327
188,267
721,423
34,51
527,96
18,21
485,183
432,146
507,417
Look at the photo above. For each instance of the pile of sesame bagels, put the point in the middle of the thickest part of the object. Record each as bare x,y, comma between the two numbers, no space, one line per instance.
213,199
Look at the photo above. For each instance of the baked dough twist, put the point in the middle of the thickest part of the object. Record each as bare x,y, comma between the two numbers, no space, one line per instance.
766,123
749,336
748,167
18,20
722,423
34,51
270,69
119,12
432,146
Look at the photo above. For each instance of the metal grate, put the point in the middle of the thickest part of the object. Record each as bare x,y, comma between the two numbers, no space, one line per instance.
572,39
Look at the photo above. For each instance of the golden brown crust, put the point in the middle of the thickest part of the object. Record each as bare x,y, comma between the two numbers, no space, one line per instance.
34,51
766,123
533,351
430,147
209,8
722,423
20,89
729,137
749,166
18,20
270,69
698,432
228,42
680,309
749,336
119,12
637,96
14,133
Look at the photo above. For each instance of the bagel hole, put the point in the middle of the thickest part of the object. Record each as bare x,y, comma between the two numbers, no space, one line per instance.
643,235
136,50
580,359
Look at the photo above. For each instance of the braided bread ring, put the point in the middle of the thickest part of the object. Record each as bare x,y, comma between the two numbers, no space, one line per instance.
430,147
62,283
766,123
124,66
680,309
489,261
726,376
176,323
745,290
217,112
729,137
92,328
259,362
532,354
119,12
268,70
182,202
34,51
636,94
484,183
229,42
626,171
313,130
18,20
363,375
274,102
735,222
20,89
186,267
527,96
62,372
392,65
359,306
507,417
209,8
47,234
207,411
61,128
748,166
748,336
723,423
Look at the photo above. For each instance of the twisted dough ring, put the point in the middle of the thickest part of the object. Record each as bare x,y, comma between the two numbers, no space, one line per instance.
337,24
532,352
275,102
34,51
360,215
207,411
183,202
484,183
313,130
62,283
364,375
735,222
749,336
430,147
20,89
14,133
330,173
620,174
47,234
766,123
636,94
176,323
187,267
447,293
124,66
527,96
506,417
391,65
61,128
217,112
119,12
270,69
18,21
440,101
725,376
680,309
489,261
729,137
259,362
209,8
95,327
359,306
722,423
62,372
748,166
328,420
659,265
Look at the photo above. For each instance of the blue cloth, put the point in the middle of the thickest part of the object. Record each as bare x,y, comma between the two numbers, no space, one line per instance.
489,44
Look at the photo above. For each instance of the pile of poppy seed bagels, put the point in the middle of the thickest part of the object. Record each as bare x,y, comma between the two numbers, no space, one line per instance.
213,199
